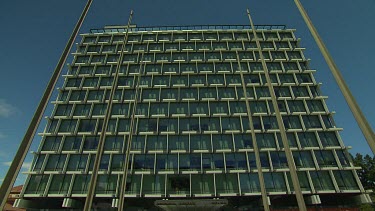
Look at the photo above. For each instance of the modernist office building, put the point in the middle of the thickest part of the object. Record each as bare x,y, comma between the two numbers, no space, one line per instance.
179,125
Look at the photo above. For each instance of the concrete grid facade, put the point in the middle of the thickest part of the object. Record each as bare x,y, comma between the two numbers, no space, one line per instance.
180,105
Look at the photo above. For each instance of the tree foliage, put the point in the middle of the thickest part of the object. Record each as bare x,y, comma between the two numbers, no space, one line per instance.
367,173
367,176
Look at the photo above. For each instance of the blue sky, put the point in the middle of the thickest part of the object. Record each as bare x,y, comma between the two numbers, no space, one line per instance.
34,33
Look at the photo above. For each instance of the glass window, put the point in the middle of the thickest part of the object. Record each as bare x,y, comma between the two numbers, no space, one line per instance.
118,162
77,95
91,82
249,183
235,161
311,122
222,141
266,140
55,162
258,107
345,180
243,141
303,181
226,183
170,68
153,184
171,46
262,92
77,162
51,143
164,37
179,108
97,58
210,124
231,123
343,158
114,143
275,182
256,123
106,184
187,46
108,48
264,160
219,107
37,184
156,143
144,162
303,159
133,184
168,125
138,142
39,162
209,93
81,184
159,109
328,139
296,106
282,92
203,46
222,67
328,122
291,122
191,124
226,93
200,142
307,139
87,125
150,94
73,82
89,39
226,36
325,158
291,140
279,160
63,110
96,95
189,93
270,122
321,180
178,184
237,107
147,125
315,105
300,91
72,143
142,109
60,184
82,59
251,159
90,143
198,108
152,68
178,142
67,125
203,184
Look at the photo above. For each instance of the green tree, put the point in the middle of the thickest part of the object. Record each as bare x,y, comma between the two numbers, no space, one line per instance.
366,175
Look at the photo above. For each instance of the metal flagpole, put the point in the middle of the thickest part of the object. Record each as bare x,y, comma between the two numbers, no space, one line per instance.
288,152
34,124
350,100
258,163
99,152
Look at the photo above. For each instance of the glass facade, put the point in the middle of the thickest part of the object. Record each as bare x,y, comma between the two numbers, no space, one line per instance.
180,105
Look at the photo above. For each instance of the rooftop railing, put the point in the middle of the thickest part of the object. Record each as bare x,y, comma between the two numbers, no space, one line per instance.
116,29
